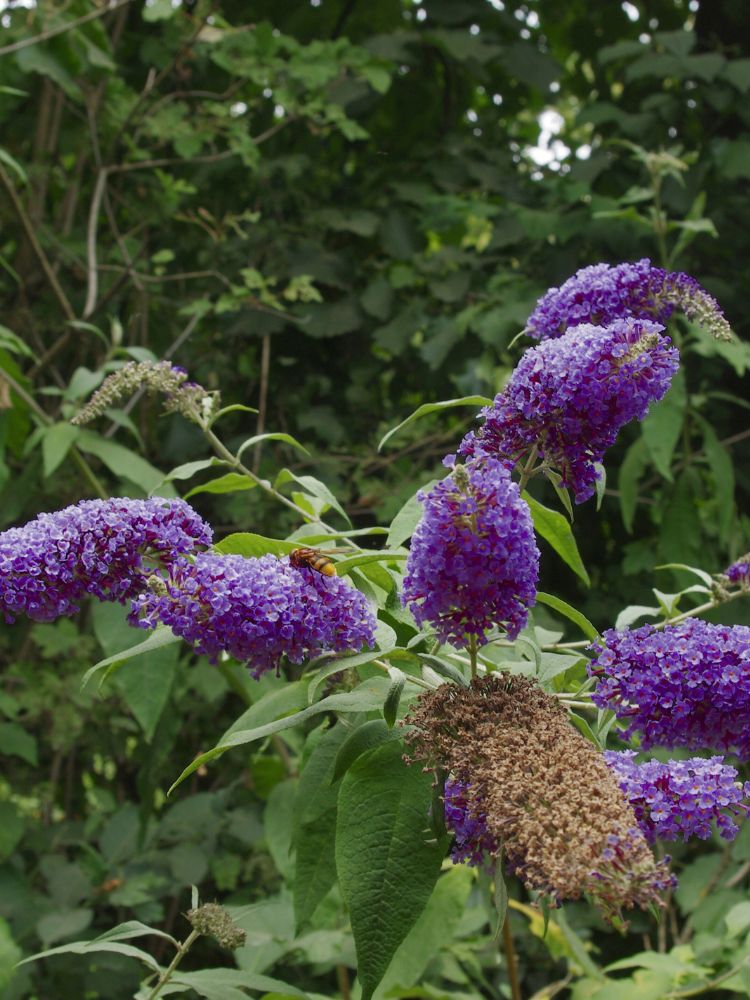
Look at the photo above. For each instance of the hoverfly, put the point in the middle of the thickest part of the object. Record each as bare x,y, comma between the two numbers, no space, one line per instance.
316,559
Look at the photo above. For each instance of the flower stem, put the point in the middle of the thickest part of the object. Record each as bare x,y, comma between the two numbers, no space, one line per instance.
473,655
528,470
183,949
510,958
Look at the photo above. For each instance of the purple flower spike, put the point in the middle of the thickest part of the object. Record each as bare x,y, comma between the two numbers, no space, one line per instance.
686,685
473,563
681,798
600,294
96,547
472,840
569,397
257,610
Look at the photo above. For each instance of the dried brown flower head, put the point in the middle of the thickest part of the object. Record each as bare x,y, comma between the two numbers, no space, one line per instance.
546,792
214,921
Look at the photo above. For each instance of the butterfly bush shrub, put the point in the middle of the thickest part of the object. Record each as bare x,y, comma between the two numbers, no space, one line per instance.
464,731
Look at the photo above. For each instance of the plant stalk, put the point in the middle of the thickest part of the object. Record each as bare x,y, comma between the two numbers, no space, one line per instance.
183,949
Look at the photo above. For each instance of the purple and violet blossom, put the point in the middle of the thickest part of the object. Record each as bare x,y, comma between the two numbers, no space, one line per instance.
681,798
106,548
568,398
601,293
256,610
472,841
739,571
473,563
685,685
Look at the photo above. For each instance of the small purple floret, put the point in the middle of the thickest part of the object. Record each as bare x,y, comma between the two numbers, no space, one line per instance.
602,293
97,547
257,610
686,685
473,843
569,397
680,799
473,563
739,572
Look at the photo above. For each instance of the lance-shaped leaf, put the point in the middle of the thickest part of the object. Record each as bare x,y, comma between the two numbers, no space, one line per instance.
387,858
553,527
426,408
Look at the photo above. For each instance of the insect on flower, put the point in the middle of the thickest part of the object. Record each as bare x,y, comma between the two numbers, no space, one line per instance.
316,559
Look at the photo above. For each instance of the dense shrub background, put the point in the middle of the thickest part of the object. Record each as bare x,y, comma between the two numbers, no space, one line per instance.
334,211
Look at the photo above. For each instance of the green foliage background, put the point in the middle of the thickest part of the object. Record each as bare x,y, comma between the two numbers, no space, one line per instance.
332,212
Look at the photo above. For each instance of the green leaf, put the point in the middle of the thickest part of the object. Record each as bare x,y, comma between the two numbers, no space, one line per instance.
16,742
245,543
404,523
122,462
426,408
314,487
662,426
315,826
234,408
189,469
9,161
278,822
347,563
722,470
366,697
385,641
91,947
565,609
393,697
500,896
433,932
10,955
147,684
386,864
290,697
444,668
11,829
231,984
271,436
10,341
232,482
554,528
368,736
630,473
161,636
633,612
57,441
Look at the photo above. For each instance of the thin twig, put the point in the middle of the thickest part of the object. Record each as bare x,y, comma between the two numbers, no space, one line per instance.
159,278
260,424
68,26
28,229
510,958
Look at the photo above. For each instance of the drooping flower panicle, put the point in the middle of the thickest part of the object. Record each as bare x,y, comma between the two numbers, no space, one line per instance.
473,563
687,685
188,398
568,398
529,781
256,610
681,798
100,547
601,293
